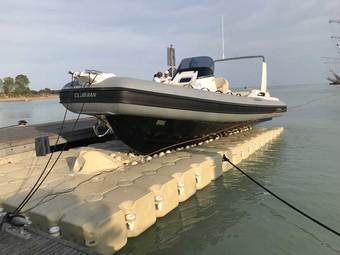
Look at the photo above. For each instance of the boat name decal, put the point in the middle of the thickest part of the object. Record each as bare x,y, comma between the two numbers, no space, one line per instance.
85,94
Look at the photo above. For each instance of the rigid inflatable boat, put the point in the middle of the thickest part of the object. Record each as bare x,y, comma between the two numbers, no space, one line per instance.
148,116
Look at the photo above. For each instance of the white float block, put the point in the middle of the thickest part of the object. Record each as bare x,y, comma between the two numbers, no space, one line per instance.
164,189
184,174
99,225
92,161
138,206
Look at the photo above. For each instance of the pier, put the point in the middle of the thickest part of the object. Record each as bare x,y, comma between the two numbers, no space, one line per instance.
19,139
98,196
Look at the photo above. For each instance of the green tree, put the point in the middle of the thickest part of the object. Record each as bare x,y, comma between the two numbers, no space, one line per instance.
1,86
45,91
21,85
8,85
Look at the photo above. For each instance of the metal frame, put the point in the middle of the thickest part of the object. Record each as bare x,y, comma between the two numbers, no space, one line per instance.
243,57
264,68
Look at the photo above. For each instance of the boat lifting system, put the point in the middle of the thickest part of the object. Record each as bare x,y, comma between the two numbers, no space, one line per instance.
102,127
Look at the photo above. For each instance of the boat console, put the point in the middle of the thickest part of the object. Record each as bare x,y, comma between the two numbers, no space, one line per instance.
198,73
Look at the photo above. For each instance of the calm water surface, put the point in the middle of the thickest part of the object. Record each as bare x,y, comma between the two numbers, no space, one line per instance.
34,112
232,215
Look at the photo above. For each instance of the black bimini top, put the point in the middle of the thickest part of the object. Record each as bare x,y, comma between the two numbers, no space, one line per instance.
203,64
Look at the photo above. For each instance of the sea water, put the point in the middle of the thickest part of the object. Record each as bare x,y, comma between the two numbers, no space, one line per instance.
33,111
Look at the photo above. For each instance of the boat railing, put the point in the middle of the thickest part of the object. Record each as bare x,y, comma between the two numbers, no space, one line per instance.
264,68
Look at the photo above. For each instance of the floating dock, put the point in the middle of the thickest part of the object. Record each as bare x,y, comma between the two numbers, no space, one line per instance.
40,243
18,139
99,196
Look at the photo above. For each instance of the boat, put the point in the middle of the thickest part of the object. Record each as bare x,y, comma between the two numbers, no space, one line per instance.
149,116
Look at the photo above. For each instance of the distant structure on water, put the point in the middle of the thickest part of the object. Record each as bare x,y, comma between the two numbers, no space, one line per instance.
335,78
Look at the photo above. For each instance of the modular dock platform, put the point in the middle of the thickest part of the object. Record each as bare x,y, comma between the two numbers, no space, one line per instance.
18,139
39,244
99,196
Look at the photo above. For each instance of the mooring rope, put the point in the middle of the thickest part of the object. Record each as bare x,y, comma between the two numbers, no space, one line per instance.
282,199
27,197
198,139
311,101
55,194
41,179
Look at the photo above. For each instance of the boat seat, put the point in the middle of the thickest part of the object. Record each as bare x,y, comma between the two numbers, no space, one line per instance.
222,84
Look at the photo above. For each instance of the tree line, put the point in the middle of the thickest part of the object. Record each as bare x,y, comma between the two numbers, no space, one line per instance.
19,86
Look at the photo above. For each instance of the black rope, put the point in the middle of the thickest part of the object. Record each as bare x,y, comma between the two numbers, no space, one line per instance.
38,183
186,142
33,191
27,197
282,200
44,200
159,150
312,101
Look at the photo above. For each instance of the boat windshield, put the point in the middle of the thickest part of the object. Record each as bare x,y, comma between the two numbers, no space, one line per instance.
203,64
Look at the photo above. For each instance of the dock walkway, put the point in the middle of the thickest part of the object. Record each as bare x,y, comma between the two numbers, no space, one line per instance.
39,243
18,139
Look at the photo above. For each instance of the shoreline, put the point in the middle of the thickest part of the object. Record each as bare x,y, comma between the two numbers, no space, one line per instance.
26,98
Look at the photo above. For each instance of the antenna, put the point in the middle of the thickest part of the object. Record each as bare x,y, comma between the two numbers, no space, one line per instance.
222,21
171,59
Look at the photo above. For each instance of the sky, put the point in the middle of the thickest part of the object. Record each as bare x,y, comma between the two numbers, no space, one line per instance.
46,39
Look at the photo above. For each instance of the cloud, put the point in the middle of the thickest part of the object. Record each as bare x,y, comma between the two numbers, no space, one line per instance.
46,39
